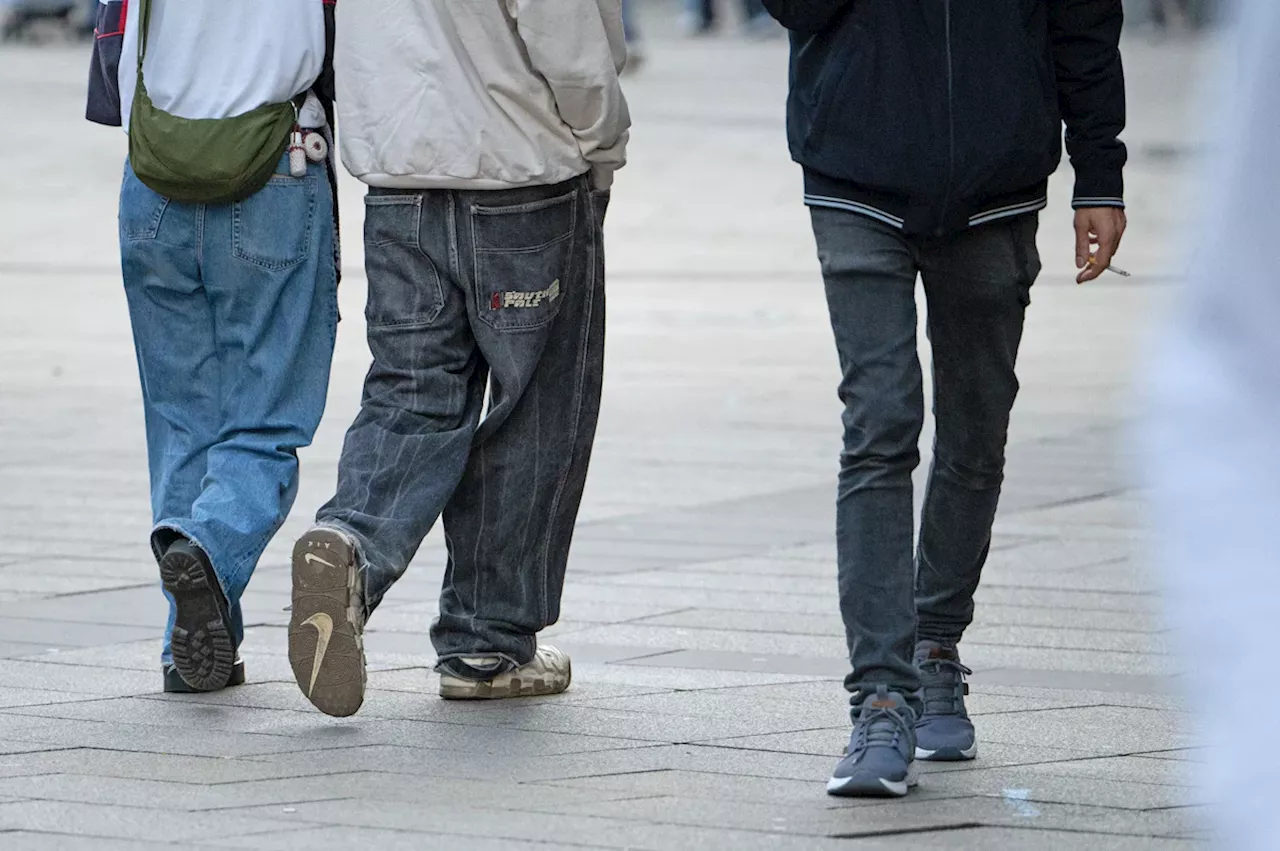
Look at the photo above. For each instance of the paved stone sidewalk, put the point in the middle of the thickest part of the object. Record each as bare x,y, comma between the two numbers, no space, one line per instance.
700,613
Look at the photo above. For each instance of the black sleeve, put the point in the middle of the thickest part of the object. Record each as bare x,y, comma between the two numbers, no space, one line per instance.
103,105
324,86
1085,35
805,16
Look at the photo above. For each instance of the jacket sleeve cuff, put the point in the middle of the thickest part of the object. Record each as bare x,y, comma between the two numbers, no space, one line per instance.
1098,190
602,177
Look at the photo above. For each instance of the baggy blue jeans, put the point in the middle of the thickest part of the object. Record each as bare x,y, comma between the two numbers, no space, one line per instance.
234,313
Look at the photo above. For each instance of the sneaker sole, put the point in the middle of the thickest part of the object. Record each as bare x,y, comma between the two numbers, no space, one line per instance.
948,754
203,652
326,638
869,786
505,686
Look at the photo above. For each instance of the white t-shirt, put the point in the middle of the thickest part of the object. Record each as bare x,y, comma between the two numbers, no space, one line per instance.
220,58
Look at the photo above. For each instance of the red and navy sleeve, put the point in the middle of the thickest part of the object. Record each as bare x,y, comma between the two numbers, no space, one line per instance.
103,105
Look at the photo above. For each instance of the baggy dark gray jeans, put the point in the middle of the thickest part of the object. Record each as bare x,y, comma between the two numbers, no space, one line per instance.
474,291
977,288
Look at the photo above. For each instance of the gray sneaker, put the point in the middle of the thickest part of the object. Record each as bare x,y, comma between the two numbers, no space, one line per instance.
879,761
944,732
326,628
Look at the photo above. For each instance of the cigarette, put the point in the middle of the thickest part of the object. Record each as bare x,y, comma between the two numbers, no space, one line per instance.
1093,260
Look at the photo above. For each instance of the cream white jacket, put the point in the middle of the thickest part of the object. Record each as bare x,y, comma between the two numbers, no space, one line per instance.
480,94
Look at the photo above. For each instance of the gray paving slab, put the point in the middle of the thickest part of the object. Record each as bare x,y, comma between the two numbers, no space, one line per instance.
1123,769
55,633
1012,810
125,735
683,784
367,785
1154,666
643,725
15,698
127,823
308,839
524,731
25,650
999,614
33,579
1113,730
132,606
103,762
546,827
1040,786
29,840
862,818
829,665
1071,638
800,604
1034,839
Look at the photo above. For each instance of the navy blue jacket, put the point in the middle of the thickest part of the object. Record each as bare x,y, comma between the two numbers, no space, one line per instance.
937,115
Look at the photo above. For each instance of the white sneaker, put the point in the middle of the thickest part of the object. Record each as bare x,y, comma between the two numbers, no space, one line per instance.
548,673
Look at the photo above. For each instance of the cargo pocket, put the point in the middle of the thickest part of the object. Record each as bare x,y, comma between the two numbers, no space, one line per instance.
272,228
523,261
404,286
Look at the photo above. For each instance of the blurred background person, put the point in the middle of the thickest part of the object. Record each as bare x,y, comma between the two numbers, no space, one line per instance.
18,17
1162,17
631,32
1213,445
700,17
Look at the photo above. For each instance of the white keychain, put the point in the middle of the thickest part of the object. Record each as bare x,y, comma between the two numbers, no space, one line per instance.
316,147
297,154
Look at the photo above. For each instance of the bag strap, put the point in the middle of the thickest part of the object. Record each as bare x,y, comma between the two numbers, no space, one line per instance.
144,27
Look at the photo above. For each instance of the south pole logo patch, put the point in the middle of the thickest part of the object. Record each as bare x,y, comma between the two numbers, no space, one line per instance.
519,300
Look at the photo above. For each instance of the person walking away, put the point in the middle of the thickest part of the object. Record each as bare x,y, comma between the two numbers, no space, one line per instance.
488,135
700,16
1212,452
927,132
229,262
631,34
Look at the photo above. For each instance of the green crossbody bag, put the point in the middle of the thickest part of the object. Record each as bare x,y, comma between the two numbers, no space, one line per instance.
204,160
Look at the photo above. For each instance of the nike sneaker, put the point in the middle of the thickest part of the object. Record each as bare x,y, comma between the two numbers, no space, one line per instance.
548,673
203,647
326,628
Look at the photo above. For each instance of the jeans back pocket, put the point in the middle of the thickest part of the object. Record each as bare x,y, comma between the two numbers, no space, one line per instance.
272,228
523,260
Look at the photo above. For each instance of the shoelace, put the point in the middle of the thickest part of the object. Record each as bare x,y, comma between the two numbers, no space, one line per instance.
945,698
881,727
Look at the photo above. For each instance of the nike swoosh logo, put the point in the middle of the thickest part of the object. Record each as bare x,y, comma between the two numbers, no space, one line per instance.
312,558
324,631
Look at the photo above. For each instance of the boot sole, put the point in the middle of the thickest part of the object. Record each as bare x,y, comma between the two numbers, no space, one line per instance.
177,685
326,627
203,652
